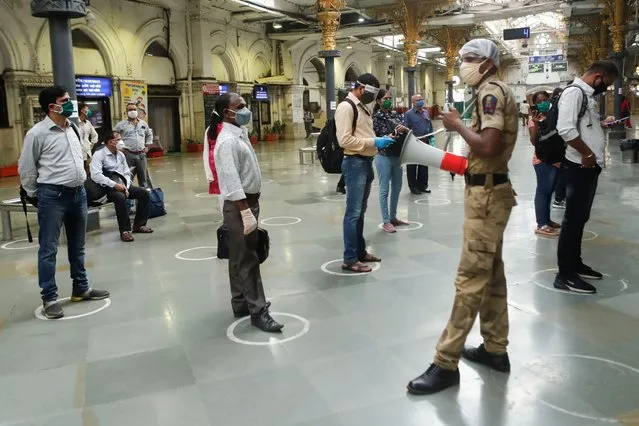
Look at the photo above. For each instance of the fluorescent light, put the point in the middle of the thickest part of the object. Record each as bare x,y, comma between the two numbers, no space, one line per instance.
256,7
360,19
431,49
349,46
277,25
388,55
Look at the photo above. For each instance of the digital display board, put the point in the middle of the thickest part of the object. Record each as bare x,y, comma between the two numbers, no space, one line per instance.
224,88
93,87
260,93
541,59
516,33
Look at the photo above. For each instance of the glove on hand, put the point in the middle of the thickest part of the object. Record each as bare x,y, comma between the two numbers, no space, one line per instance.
249,221
384,142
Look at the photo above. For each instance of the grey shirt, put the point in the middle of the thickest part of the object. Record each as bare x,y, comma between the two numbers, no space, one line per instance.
105,160
236,164
51,155
135,135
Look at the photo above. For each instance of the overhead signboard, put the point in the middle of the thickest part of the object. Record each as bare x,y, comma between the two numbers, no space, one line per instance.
93,87
559,66
542,59
260,93
535,68
516,33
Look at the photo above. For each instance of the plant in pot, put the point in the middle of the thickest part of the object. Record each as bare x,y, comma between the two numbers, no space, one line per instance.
269,134
194,146
279,128
253,137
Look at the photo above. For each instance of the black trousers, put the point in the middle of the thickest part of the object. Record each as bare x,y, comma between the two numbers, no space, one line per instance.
245,278
417,176
560,184
581,185
121,211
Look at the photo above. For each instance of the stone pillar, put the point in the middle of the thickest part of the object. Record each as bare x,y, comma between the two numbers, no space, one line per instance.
59,12
329,16
410,71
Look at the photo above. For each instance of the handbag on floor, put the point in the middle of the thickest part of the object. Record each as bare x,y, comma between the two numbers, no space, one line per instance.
263,243
156,200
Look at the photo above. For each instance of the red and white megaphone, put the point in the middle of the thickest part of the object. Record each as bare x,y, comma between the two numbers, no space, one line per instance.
417,152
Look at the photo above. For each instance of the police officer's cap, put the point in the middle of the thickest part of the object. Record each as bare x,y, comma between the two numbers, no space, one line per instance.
483,48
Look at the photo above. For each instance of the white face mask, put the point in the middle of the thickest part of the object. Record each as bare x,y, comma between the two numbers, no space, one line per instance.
469,73
120,145
132,114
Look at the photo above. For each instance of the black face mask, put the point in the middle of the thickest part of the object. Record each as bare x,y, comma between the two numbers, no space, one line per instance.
600,88
368,97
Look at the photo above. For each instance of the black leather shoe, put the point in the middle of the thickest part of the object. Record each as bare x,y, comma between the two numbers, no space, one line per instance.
340,189
415,191
241,313
435,379
265,322
425,190
499,362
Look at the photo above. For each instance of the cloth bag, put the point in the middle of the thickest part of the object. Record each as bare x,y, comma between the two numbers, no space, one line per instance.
156,200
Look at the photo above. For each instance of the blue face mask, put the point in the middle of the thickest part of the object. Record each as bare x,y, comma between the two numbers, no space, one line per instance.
242,116
419,103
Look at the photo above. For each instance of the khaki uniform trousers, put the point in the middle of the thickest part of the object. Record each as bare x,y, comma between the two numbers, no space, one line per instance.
480,285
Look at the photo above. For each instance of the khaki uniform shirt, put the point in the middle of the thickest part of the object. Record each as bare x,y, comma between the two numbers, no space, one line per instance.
362,141
495,108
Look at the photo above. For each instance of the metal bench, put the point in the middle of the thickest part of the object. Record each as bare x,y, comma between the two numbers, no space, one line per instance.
15,205
306,151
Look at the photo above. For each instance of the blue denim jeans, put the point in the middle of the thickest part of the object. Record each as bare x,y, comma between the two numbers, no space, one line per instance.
389,172
546,178
358,175
59,205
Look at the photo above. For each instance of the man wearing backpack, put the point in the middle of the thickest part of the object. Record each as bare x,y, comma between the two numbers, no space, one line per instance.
584,160
355,134
51,169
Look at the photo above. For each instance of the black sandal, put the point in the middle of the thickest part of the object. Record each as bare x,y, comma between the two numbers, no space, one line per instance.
358,267
369,258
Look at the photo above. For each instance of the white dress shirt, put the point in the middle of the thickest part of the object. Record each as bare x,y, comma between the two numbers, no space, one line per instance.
89,137
104,160
136,135
205,158
236,163
51,155
569,126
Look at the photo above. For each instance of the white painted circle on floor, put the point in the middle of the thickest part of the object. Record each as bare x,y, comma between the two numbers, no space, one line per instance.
164,170
288,220
404,227
616,365
295,172
433,201
186,180
180,255
39,315
7,246
324,268
334,198
272,339
205,195
592,236
623,283
268,181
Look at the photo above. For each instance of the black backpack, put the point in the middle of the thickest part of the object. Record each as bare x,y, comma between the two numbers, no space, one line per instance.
329,152
550,147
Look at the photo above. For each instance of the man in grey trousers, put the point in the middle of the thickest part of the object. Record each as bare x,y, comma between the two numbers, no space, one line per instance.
240,183
137,138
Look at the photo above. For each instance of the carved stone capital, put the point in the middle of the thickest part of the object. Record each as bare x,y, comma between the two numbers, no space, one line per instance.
410,47
618,38
329,23
69,9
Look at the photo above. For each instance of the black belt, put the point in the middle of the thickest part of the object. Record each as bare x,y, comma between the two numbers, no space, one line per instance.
61,187
134,152
363,157
480,179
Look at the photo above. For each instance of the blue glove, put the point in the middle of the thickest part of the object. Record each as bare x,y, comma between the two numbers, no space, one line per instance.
383,142
431,141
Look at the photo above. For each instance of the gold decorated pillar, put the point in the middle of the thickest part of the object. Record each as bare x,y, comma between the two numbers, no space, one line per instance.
451,39
329,16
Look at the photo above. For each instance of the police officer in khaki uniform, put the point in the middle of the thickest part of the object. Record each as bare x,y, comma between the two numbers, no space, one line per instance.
480,284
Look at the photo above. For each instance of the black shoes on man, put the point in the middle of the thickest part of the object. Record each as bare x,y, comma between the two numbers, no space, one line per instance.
262,320
576,282
436,379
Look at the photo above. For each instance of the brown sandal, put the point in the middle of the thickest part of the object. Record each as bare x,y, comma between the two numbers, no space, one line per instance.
358,267
127,237
369,258
547,231
143,230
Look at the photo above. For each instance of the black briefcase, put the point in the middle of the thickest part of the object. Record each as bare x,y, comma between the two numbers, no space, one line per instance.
263,243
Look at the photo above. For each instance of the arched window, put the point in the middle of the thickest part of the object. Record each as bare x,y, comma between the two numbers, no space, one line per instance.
157,65
87,58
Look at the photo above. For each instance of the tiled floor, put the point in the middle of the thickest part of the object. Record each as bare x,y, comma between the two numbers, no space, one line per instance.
159,355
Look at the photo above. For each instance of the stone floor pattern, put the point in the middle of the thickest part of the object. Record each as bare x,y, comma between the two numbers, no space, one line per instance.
167,350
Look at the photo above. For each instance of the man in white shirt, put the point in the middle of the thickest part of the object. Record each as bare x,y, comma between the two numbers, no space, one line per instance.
138,138
87,131
584,159
524,112
110,171
52,173
240,184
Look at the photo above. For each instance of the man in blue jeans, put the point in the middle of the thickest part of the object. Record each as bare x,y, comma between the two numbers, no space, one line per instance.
360,146
51,169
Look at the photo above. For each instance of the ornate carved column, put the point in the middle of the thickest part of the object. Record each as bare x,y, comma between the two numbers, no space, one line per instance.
409,16
451,39
329,16
59,12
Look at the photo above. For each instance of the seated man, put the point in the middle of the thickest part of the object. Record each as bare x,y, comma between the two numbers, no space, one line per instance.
110,171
